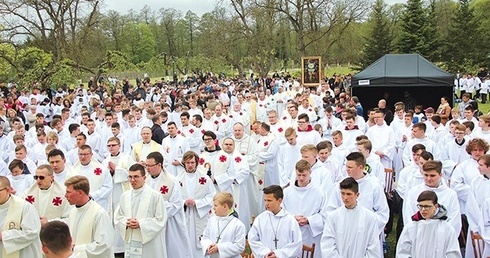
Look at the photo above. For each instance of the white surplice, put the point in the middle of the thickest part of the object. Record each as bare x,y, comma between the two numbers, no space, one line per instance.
433,238
310,202
148,207
23,238
228,233
351,233
100,228
279,233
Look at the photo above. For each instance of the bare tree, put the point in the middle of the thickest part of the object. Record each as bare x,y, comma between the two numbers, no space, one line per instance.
59,27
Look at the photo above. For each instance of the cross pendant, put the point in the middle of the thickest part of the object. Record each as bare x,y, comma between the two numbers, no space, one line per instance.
275,242
217,239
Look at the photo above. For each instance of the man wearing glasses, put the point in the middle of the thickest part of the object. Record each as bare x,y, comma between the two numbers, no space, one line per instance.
47,195
20,222
162,181
433,182
429,234
141,217
98,176
118,164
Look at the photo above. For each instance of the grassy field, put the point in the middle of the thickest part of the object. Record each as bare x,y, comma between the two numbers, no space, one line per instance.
484,108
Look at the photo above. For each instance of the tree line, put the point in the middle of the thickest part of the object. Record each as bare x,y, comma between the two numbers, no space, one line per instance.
57,42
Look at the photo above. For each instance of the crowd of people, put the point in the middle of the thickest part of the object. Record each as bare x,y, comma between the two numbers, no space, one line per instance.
206,166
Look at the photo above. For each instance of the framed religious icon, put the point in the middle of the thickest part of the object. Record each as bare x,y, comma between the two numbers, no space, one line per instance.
311,70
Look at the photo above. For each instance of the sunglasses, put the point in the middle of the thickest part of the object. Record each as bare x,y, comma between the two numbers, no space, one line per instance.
39,177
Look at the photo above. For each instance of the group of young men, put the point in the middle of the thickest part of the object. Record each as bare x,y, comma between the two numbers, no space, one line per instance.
280,170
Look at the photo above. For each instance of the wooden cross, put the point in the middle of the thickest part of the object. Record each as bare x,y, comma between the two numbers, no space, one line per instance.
275,241
217,239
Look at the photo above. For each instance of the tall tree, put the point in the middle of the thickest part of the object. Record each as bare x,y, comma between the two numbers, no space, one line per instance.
460,49
58,27
378,42
413,25
432,34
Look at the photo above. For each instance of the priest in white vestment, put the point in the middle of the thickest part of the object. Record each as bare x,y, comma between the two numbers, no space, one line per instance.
306,201
141,217
118,164
47,196
244,187
275,231
20,234
197,197
177,240
217,163
248,147
351,230
142,148
174,146
191,133
90,224
57,161
99,176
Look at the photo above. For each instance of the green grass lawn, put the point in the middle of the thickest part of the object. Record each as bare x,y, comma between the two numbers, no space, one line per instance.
484,108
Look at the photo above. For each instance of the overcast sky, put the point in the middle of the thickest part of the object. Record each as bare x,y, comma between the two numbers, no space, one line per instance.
197,6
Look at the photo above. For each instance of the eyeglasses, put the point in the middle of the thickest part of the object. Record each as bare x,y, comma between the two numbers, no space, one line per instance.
4,189
151,165
208,139
424,207
111,145
39,177
134,177
84,154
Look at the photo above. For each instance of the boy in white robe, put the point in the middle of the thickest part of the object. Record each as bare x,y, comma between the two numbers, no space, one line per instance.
19,181
455,150
467,170
383,139
350,230
289,154
275,232
373,198
20,222
306,201
326,158
433,182
140,217
374,166
428,234
224,235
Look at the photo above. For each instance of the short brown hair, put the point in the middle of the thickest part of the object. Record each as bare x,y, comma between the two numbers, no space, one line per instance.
302,166
79,183
432,165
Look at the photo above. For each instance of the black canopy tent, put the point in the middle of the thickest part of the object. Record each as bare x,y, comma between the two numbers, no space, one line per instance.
394,74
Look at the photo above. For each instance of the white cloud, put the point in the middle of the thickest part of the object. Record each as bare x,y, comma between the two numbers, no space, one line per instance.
197,6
